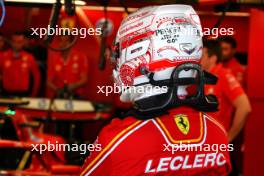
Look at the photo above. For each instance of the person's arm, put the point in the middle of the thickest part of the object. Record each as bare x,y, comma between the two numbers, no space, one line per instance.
51,85
36,75
240,102
78,84
242,110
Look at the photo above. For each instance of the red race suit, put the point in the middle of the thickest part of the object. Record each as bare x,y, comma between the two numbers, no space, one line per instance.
133,147
16,72
226,90
238,70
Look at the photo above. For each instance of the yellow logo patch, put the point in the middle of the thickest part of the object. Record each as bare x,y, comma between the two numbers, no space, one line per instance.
182,123
67,23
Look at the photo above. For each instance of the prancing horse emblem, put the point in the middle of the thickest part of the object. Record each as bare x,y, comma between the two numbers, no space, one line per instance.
182,123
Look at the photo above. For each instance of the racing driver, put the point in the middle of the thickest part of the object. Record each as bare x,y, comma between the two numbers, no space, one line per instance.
156,55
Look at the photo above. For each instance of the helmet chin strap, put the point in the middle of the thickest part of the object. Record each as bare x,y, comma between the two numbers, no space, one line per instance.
157,104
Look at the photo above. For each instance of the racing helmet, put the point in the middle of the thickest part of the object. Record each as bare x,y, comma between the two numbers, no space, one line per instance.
150,44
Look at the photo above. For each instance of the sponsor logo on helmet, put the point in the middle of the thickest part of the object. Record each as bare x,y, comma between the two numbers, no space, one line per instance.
181,20
126,29
166,48
187,48
137,16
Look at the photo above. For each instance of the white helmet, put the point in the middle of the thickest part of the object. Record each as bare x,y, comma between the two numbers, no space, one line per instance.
155,40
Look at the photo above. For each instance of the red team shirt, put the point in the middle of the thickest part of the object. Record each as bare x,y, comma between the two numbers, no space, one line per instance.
16,72
61,72
134,147
237,69
226,90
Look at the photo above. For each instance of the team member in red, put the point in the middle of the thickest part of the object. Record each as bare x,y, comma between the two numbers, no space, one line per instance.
228,90
18,68
67,70
228,47
156,65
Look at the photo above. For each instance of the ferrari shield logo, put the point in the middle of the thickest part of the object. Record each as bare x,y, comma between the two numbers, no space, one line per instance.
182,123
